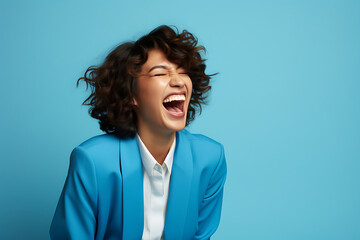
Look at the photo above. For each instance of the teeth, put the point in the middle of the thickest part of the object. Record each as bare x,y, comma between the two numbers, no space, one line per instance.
174,98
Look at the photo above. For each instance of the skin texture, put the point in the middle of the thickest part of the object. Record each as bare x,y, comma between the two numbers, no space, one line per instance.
156,126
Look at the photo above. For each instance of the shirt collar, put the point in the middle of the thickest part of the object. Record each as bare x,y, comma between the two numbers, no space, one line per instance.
149,161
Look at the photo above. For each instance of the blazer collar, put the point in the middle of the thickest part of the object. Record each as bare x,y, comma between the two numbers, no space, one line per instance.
132,177
179,192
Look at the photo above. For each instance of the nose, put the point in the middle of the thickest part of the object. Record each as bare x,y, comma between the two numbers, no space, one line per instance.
176,80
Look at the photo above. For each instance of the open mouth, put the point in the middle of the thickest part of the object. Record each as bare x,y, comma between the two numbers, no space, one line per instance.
174,104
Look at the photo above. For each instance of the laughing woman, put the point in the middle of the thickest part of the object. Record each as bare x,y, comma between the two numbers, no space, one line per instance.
147,177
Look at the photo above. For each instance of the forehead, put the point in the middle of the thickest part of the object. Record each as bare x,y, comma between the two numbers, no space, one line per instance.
157,57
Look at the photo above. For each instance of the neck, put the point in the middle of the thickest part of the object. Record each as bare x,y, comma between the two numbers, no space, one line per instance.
157,144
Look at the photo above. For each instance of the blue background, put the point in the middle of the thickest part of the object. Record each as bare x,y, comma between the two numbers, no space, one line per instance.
285,104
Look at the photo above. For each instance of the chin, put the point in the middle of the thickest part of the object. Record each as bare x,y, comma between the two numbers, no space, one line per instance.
175,125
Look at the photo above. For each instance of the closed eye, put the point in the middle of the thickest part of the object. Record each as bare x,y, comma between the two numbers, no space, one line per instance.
159,74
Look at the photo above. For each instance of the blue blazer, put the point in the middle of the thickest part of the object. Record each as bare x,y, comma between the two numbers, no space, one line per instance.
103,194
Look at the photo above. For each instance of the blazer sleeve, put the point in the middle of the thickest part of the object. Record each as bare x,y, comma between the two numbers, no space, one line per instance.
210,209
75,215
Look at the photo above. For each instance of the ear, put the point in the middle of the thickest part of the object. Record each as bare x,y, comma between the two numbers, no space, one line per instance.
135,102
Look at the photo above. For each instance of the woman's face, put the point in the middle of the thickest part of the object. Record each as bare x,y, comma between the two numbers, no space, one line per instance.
163,96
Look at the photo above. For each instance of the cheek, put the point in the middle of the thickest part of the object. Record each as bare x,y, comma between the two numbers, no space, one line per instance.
150,94
189,85
144,89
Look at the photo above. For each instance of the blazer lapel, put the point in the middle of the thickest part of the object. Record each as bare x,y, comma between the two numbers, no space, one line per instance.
132,177
179,192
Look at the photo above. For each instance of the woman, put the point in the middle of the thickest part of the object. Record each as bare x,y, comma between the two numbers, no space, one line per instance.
146,178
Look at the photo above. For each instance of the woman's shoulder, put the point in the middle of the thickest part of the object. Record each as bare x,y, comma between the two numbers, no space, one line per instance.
200,140
208,154
99,142
203,148
98,149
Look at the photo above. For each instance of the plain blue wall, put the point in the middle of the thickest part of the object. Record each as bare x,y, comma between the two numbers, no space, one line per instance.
286,105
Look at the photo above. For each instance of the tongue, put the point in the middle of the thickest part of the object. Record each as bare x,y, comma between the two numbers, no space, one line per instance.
174,106
173,109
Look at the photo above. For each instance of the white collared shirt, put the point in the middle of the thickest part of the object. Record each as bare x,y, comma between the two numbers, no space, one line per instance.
156,180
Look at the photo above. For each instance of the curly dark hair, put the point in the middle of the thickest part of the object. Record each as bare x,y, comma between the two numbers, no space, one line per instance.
114,84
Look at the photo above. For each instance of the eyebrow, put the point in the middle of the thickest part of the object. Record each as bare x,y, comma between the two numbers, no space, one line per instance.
163,67
158,66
